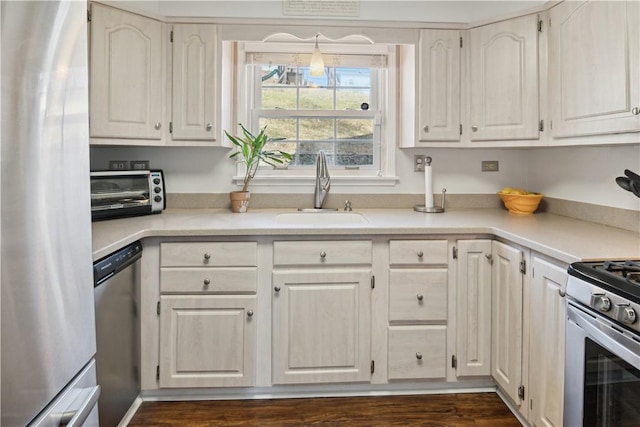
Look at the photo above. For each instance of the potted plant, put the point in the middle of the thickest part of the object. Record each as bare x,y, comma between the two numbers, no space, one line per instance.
251,149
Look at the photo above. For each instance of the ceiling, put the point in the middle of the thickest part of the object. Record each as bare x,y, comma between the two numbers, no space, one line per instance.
451,11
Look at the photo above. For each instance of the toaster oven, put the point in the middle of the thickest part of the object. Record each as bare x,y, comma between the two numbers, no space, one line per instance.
117,194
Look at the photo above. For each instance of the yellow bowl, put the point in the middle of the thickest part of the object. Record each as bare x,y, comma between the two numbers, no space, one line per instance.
521,203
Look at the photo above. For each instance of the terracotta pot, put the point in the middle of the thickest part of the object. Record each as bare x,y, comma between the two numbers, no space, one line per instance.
239,201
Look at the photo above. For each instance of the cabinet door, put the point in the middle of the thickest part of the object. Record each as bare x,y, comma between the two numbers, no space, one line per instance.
207,340
473,332
504,80
321,326
595,67
546,381
126,75
439,86
195,66
506,319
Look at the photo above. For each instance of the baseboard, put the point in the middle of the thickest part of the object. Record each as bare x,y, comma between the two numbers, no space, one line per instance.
306,391
130,413
512,407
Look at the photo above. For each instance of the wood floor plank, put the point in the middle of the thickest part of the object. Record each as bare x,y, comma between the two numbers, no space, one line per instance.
445,410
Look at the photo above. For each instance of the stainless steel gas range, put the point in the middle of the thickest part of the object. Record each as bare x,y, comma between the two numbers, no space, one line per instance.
602,358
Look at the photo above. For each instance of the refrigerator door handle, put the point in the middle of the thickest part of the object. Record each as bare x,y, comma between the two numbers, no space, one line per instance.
77,415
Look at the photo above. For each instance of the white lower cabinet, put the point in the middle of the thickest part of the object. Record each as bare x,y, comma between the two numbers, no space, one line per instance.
528,324
418,289
506,319
315,315
207,340
546,342
321,308
208,314
473,308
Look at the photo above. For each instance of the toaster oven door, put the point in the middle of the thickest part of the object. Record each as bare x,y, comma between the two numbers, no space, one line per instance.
120,194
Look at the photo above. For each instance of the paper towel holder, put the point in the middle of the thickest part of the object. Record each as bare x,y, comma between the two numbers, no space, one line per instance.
423,208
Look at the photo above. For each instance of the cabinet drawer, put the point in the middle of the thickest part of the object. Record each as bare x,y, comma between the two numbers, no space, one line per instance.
321,253
418,295
417,352
418,252
210,280
209,254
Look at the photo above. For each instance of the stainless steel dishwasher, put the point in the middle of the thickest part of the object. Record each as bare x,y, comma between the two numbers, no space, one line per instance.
117,296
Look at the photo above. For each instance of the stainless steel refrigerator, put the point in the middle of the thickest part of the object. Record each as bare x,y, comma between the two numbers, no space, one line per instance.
47,309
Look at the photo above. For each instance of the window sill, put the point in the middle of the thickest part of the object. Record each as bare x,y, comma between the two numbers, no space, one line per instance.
309,181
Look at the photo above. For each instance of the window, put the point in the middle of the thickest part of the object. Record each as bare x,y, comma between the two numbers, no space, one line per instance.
335,113
342,113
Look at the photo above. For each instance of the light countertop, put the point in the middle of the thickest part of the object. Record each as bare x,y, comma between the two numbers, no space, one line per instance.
560,237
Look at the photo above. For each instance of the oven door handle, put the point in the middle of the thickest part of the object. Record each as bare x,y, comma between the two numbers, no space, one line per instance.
613,338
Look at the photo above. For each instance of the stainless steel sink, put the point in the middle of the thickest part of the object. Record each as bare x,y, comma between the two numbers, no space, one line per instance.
321,218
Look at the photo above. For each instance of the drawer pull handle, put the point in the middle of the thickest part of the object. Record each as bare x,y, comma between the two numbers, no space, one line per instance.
420,254
207,282
207,256
249,313
419,356
323,254
420,297
277,288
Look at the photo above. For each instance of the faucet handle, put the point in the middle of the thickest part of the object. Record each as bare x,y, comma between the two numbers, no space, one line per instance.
347,206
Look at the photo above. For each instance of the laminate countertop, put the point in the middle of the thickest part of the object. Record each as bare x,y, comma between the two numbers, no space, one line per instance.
559,237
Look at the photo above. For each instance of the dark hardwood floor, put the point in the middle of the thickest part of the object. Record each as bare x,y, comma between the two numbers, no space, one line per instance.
443,410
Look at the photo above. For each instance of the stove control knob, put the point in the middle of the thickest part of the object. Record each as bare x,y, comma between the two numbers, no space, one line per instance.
600,302
625,314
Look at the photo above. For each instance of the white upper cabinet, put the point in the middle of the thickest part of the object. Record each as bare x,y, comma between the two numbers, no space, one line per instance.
126,75
503,80
595,67
438,118
194,88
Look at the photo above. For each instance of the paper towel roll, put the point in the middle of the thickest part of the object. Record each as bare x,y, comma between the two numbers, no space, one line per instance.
428,186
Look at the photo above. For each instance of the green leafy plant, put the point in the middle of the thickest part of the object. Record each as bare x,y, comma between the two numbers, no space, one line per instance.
252,150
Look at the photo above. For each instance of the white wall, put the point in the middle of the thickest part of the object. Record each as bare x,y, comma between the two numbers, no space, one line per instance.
584,174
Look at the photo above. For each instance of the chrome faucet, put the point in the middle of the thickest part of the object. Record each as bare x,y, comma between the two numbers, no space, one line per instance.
323,180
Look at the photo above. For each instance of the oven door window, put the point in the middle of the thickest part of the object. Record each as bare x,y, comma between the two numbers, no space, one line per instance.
126,191
611,390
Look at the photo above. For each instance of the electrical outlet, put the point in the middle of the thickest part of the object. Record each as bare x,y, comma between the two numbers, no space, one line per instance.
490,166
121,165
418,163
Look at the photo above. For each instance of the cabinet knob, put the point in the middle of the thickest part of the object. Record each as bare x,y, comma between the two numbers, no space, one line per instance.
489,258
250,313
207,256
419,297
419,356
158,126
635,111
209,126
426,128
207,282
276,288
323,254
561,293
420,254
474,128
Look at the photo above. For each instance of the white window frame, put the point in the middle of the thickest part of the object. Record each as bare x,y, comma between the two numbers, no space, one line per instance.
384,123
